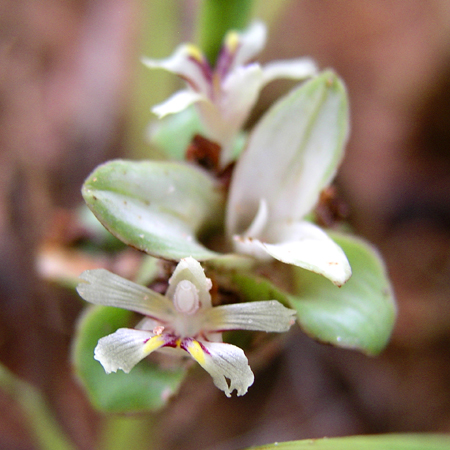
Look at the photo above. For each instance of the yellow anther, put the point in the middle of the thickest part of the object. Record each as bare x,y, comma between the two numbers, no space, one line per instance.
195,52
232,41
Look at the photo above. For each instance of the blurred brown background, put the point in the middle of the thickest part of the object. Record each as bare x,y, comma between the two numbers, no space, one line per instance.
68,80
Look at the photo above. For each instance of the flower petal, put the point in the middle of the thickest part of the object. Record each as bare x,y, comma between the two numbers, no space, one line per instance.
191,270
125,348
240,91
146,388
101,287
292,154
223,361
247,243
177,102
259,222
270,316
305,245
226,116
296,69
189,63
250,246
249,43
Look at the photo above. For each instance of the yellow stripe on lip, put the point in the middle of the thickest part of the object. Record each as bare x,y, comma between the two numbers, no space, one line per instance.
196,351
154,343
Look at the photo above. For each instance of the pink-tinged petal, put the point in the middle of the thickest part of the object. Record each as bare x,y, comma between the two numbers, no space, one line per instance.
305,245
126,347
223,362
189,63
296,69
101,287
177,102
191,270
270,316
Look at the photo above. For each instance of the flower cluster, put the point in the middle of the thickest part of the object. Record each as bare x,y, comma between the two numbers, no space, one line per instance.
225,94
291,155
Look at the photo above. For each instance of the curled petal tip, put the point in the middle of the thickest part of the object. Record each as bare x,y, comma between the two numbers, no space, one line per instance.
223,362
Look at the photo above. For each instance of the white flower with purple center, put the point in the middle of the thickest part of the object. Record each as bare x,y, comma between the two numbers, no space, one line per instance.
184,320
224,95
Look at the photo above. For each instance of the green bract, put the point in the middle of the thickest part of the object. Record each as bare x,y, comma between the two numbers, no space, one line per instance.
157,207
360,314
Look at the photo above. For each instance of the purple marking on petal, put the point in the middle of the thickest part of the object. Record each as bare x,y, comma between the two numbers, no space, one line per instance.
184,344
204,348
205,69
171,341
224,61
172,344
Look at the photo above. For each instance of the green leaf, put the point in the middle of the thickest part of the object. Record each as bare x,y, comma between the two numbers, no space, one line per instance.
146,387
216,18
157,207
376,442
358,315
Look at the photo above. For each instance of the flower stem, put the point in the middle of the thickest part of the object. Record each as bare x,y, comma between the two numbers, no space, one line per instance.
216,18
122,431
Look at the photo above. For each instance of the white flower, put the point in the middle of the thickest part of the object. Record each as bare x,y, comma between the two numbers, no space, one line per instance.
225,95
293,153
183,319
